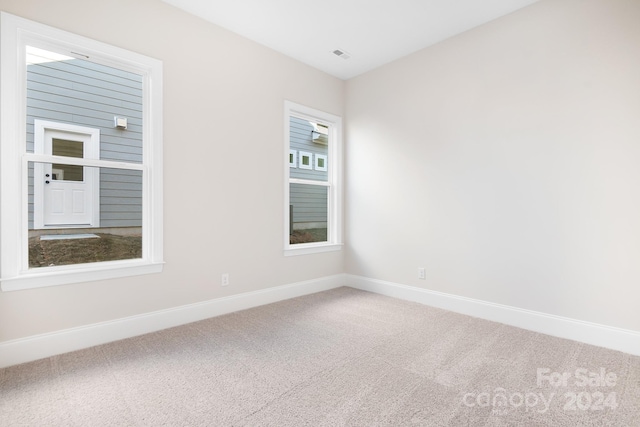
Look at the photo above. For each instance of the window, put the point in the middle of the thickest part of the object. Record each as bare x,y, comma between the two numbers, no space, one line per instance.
313,201
321,162
80,158
305,160
293,155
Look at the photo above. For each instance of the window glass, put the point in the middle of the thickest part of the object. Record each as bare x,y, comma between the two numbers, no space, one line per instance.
81,92
72,106
81,158
61,214
61,172
313,204
310,150
308,214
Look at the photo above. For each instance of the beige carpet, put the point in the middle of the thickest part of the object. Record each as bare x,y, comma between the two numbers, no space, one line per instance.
337,358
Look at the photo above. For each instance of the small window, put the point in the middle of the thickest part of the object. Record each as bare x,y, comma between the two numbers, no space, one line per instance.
293,155
306,161
80,197
321,162
67,148
313,209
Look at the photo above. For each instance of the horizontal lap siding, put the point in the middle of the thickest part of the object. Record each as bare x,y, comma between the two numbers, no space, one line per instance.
87,94
309,201
120,198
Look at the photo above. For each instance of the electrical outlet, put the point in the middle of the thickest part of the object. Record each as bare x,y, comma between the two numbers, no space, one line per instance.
224,280
421,273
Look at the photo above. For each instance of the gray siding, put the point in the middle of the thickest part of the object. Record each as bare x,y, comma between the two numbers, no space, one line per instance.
309,201
87,94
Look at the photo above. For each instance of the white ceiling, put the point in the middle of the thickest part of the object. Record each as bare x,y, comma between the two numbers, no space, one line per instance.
374,32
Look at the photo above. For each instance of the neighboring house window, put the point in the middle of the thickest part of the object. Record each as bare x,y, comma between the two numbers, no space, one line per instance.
293,155
321,162
305,160
313,201
80,158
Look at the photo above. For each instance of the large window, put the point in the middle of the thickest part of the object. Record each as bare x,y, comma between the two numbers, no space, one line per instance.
313,202
80,158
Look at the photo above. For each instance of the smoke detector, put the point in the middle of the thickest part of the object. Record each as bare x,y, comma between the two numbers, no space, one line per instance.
342,53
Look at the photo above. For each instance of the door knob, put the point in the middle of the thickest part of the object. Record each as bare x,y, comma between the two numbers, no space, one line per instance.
46,182
47,175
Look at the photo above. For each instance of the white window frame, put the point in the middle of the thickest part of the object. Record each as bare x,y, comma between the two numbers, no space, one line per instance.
333,183
15,274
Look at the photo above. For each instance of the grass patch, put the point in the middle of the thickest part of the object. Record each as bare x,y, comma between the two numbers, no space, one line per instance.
308,236
109,247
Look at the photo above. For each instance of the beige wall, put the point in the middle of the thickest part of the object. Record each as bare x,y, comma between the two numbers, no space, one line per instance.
506,161
223,106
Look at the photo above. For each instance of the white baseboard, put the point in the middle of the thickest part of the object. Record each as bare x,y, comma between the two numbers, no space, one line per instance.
624,340
50,344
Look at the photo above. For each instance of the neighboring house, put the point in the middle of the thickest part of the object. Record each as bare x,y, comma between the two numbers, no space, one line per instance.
71,109
308,160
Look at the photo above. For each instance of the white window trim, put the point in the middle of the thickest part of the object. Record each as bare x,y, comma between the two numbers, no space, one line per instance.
334,180
15,34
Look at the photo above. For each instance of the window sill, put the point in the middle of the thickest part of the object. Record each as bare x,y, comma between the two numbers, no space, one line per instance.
312,248
47,277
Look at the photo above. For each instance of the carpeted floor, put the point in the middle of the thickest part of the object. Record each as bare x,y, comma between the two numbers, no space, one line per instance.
338,358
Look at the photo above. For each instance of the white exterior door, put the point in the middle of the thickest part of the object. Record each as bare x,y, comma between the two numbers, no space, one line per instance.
66,195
